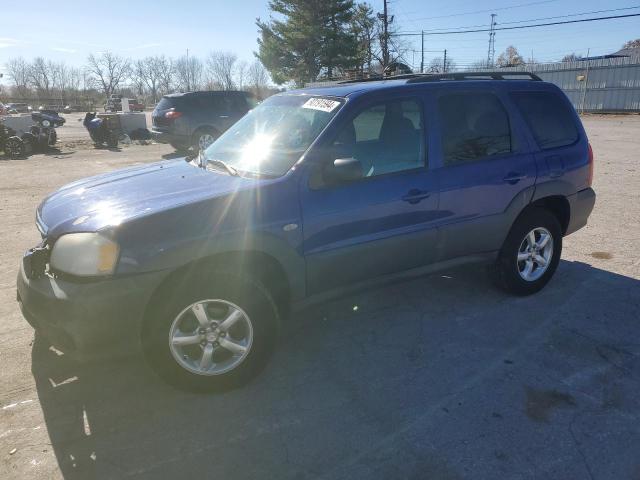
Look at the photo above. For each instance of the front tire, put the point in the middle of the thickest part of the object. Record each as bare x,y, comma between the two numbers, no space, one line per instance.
14,147
530,254
211,332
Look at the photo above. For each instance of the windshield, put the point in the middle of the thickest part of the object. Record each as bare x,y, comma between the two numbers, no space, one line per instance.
271,138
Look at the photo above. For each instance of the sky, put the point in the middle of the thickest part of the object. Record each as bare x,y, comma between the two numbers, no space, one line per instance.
69,30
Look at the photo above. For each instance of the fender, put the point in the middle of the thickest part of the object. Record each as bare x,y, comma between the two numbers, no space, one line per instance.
243,222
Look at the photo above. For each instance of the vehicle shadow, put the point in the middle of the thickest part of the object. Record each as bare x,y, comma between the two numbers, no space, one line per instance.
176,154
419,379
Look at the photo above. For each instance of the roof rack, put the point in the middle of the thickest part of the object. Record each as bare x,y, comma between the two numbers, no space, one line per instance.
435,77
475,76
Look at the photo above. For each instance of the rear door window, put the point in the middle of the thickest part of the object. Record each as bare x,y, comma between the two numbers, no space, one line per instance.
474,126
549,117
237,103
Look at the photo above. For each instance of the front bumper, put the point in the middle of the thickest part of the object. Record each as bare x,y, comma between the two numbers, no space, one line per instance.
581,205
88,320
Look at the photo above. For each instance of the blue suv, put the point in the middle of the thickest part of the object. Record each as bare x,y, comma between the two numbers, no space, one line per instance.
198,261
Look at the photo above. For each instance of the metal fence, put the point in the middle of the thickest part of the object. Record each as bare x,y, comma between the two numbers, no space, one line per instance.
598,85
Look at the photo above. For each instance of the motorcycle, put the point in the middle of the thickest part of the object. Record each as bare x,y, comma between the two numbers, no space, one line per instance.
43,134
99,131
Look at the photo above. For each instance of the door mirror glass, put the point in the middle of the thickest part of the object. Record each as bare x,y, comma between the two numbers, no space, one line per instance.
342,170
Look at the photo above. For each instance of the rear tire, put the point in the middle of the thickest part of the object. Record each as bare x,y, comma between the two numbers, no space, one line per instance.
530,254
219,294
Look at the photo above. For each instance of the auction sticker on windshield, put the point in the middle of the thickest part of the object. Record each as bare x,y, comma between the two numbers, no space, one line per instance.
322,104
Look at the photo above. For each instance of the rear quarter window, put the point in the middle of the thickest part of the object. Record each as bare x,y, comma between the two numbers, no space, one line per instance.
165,103
549,117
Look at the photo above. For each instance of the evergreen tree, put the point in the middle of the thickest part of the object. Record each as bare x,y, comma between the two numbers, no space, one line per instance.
339,45
306,38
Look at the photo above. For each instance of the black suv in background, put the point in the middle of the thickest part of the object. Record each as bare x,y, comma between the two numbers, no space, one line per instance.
196,119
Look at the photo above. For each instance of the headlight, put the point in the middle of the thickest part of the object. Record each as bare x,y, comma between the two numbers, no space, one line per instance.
84,254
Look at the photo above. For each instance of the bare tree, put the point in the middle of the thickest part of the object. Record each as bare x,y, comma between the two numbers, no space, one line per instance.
109,70
632,43
148,73
40,76
240,75
189,73
166,74
18,69
510,58
571,57
437,65
221,66
257,78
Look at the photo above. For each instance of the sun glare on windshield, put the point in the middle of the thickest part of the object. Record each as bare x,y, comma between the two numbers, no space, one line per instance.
255,151
271,138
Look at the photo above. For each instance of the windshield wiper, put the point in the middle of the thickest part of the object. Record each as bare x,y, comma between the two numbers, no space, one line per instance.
204,161
232,171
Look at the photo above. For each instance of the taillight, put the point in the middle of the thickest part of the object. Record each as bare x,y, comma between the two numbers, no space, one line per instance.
172,115
590,176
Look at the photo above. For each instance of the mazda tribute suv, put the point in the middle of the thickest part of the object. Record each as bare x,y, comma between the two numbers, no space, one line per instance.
198,261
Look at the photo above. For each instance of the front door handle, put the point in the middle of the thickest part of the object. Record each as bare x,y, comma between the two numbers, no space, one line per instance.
513,178
415,196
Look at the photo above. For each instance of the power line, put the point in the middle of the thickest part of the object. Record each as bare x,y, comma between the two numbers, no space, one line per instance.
475,12
410,34
538,19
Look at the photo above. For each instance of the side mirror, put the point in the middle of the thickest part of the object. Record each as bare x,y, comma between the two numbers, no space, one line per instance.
343,170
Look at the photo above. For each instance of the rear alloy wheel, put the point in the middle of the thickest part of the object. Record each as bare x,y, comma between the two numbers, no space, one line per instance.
530,254
534,254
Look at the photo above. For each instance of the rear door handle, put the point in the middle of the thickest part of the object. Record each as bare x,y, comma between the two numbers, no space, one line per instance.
224,116
513,178
415,196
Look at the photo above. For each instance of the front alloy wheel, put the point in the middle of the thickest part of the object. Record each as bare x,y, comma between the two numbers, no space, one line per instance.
211,337
210,330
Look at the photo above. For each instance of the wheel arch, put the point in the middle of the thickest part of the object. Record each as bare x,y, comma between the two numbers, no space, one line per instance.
261,265
559,206
205,128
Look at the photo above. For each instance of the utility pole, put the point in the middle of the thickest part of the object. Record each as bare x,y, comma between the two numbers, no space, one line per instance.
385,35
586,82
444,62
422,55
187,72
492,41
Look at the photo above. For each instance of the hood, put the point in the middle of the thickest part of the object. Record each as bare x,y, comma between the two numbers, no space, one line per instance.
115,198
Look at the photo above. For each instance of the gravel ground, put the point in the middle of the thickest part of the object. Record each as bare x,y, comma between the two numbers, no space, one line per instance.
442,377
